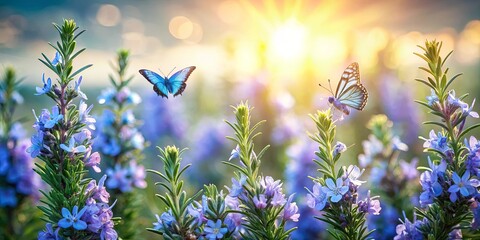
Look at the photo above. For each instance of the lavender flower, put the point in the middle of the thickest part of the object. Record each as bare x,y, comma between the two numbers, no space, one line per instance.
290,211
78,91
260,201
339,148
49,233
408,230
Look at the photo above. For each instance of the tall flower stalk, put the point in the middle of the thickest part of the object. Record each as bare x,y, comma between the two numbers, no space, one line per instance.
335,191
74,207
449,197
260,199
392,178
120,143
19,185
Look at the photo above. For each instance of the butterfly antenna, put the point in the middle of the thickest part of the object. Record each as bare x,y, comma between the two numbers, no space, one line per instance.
329,90
171,71
162,72
330,85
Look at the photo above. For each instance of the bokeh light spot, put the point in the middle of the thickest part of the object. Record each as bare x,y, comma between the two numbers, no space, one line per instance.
181,27
229,11
108,15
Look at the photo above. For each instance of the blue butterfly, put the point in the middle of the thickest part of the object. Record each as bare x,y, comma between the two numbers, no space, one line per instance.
164,85
350,92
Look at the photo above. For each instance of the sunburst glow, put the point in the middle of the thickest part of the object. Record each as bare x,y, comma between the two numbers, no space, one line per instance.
288,41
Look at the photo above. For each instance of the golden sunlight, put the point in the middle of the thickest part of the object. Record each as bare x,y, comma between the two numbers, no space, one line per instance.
288,41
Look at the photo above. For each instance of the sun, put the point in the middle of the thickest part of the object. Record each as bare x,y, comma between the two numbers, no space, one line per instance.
288,40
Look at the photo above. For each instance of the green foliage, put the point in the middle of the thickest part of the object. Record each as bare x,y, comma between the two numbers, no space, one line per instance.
444,215
23,220
259,223
347,221
175,198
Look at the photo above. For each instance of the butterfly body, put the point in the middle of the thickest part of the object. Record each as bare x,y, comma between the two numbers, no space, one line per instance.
175,84
350,92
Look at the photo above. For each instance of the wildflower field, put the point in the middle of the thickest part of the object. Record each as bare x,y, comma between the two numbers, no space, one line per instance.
239,119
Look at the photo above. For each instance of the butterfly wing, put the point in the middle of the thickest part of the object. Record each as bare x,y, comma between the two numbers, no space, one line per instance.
158,82
177,82
349,90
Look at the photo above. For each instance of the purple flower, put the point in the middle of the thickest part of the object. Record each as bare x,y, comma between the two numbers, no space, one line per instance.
370,205
409,170
73,219
408,230
158,225
339,148
71,147
318,198
278,199
49,233
337,191
271,186
260,201
93,160
77,89
475,207
237,186
47,86
118,179
214,230
472,162
97,192
83,135
47,120
290,211
397,144
83,112
37,144
464,185
456,102
197,213
352,173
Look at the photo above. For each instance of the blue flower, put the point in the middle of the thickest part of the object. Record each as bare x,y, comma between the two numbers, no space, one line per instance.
337,191
408,230
73,219
77,89
465,185
237,186
235,153
437,141
431,187
472,162
37,144
53,118
4,155
318,198
71,147
47,86
49,233
215,230
57,59
9,197
432,98
83,112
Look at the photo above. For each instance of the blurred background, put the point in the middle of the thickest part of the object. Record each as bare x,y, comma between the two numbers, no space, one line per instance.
271,53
